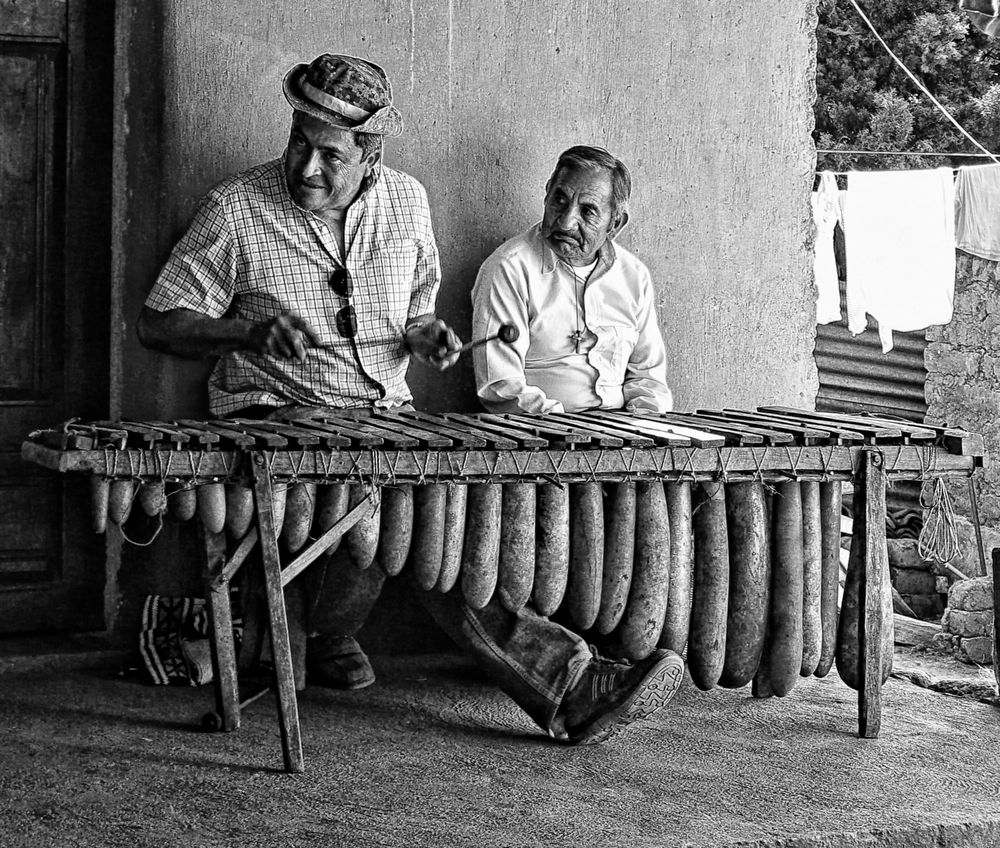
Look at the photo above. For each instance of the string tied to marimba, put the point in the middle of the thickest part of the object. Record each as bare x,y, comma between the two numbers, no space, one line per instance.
687,471
758,457
825,461
370,485
491,473
938,539
557,480
592,467
723,465
195,469
296,466
793,464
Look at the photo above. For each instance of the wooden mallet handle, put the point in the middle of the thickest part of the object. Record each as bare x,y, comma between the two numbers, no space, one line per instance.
507,333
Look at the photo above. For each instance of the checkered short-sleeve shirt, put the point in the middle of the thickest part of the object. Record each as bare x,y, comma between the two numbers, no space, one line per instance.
251,253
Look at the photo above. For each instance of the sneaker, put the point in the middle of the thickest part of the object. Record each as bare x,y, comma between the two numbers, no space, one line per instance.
610,695
337,662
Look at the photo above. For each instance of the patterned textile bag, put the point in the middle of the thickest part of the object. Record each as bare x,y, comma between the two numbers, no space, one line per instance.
173,641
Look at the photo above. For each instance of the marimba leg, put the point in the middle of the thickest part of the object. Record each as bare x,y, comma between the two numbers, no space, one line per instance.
871,638
288,710
227,698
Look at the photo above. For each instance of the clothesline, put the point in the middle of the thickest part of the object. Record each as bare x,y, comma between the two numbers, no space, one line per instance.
909,153
848,173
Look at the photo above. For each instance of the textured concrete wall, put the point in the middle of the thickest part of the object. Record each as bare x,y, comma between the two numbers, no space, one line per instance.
710,105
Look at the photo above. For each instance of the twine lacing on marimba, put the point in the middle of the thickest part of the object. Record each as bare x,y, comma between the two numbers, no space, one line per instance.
296,466
825,459
723,474
687,471
136,484
793,464
592,467
938,539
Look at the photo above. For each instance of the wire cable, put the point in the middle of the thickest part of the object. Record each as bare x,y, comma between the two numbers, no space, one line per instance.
919,84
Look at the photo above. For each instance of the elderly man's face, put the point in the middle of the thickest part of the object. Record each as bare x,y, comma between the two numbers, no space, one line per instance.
578,217
324,166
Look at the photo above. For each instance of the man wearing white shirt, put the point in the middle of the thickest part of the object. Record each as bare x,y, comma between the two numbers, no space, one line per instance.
583,306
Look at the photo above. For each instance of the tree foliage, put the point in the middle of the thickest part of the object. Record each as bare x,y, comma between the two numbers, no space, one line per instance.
866,102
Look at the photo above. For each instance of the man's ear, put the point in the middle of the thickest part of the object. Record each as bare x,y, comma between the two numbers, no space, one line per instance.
618,225
372,159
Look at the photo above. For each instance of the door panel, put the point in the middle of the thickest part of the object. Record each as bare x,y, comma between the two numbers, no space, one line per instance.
51,572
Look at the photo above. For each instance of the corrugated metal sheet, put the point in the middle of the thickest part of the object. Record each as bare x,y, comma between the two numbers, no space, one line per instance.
855,376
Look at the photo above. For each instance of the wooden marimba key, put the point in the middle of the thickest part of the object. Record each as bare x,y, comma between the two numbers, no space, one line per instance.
717,532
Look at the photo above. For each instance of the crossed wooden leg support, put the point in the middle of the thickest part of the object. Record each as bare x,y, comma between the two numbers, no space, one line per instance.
220,570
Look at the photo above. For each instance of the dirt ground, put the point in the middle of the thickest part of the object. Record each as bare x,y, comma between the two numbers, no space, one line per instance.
433,755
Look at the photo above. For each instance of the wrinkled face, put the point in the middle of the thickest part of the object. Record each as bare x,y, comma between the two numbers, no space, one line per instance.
324,166
578,218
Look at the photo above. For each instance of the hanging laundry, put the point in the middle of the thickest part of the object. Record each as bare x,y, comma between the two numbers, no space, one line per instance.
982,7
984,14
977,211
900,232
826,212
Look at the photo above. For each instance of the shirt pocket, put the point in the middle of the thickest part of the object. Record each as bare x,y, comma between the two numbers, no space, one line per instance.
388,276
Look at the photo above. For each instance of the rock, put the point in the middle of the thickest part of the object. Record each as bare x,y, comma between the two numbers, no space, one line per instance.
968,624
978,650
976,593
925,607
944,643
941,585
903,554
911,582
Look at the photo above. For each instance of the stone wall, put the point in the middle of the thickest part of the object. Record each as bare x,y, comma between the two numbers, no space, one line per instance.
917,581
967,624
963,375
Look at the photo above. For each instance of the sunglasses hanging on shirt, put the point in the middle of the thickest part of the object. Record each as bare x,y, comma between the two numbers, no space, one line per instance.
347,319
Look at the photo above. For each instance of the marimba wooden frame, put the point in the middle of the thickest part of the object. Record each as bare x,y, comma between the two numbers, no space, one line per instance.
870,468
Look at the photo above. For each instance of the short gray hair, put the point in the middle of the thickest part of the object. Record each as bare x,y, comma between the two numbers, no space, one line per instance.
583,156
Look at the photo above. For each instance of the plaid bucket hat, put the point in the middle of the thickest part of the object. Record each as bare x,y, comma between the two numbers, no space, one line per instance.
344,91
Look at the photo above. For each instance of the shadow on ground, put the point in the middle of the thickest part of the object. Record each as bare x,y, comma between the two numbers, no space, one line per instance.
434,756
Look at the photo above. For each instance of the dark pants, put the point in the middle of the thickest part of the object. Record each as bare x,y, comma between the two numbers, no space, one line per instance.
532,659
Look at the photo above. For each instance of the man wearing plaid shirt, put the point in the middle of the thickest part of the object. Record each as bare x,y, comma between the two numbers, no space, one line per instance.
313,279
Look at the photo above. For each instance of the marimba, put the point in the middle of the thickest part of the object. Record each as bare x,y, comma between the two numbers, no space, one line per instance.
716,531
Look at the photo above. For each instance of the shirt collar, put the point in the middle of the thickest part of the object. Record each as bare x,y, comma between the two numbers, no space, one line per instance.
606,256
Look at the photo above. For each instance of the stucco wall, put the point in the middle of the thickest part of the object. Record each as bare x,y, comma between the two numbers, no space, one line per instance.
710,105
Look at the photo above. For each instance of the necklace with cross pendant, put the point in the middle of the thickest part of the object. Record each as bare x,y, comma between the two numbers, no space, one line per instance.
579,286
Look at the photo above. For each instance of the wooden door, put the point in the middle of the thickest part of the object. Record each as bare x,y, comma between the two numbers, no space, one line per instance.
55,152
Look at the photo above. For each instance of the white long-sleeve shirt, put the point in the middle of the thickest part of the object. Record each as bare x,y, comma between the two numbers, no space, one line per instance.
620,363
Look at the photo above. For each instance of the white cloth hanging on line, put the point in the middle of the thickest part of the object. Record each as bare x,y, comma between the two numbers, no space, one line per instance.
985,14
899,230
977,211
826,213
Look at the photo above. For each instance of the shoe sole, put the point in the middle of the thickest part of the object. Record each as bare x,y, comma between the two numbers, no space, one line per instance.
653,692
343,685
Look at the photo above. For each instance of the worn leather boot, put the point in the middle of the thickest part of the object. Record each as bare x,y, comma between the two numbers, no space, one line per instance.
337,662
